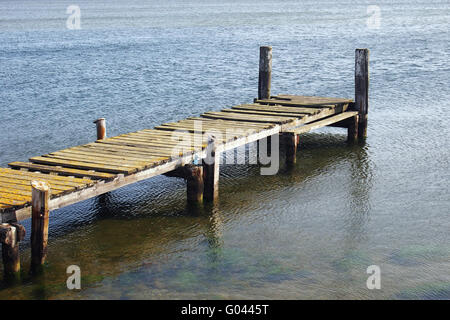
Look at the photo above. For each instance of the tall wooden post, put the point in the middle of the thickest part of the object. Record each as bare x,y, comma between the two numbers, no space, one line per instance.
10,236
194,178
40,197
362,89
211,171
265,72
290,141
101,128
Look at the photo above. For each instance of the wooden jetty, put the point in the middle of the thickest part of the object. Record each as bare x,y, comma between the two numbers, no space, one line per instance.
60,178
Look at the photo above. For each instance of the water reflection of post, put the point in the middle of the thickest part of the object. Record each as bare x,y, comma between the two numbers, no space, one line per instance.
213,233
361,179
359,195
102,204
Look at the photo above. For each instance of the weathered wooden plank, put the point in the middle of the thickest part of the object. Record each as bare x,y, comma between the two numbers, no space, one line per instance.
247,118
228,122
61,170
158,152
15,196
25,186
57,184
14,191
222,134
94,161
43,176
191,129
97,153
311,99
186,126
83,165
165,142
323,123
185,143
265,113
281,109
151,144
174,140
163,134
222,123
12,203
144,150
100,159
127,150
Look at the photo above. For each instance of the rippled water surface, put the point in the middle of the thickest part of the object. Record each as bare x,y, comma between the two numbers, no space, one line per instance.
309,232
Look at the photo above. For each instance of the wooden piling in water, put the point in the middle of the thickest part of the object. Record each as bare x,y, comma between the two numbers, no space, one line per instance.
265,72
101,128
195,186
211,171
352,129
10,236
290,141
362,89
40,196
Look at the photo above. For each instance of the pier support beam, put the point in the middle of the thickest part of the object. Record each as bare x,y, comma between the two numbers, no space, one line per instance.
265,72
40,196
362,89
10,236
194,178
211,171
290,142
101,128
352,129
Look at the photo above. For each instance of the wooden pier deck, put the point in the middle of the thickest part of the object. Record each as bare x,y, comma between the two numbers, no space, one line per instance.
78,173
60,178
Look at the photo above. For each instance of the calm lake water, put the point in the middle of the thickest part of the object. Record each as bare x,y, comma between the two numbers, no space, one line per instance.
309,232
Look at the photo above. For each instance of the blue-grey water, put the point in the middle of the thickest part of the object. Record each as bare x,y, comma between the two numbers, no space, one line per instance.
308,232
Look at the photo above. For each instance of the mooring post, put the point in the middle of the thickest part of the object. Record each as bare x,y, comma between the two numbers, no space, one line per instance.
194,179
290,142
101,128
362,89
211,171
40,197
265,72
10,236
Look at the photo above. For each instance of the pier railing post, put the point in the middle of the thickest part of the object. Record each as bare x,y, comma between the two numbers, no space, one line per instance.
10,236
211,171
101,128
265,72
362,89
40,197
